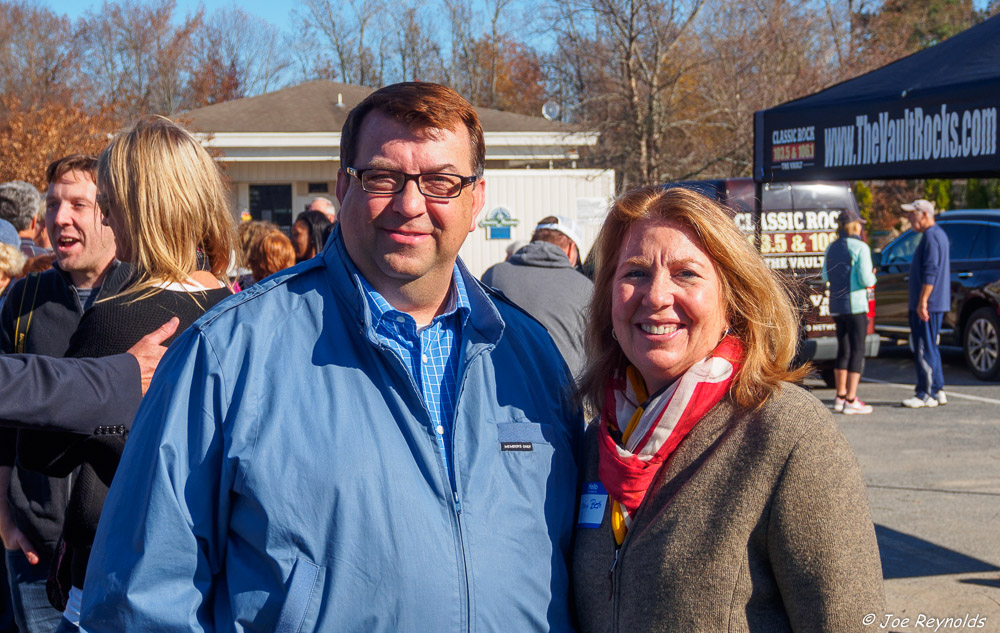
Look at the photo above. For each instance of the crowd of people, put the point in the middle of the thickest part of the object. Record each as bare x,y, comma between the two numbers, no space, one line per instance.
375,440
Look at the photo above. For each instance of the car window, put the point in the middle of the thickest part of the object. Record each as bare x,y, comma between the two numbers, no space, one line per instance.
777,196
822,196
901,251
961,237
981,247
993,240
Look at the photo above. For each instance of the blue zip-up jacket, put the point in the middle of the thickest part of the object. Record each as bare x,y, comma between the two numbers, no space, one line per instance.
282,475
848,267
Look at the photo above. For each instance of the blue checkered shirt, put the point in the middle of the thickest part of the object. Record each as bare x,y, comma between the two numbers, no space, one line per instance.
429,355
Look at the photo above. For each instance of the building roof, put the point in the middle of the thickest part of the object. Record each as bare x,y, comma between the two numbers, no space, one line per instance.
322,106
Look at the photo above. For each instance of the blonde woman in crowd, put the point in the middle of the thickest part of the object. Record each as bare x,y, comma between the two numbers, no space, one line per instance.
166,201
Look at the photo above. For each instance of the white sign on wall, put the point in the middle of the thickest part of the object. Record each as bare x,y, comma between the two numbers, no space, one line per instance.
591,210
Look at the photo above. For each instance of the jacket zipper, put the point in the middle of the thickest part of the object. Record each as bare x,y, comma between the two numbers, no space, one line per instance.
615,588
454,490
611,574
465,565
452,480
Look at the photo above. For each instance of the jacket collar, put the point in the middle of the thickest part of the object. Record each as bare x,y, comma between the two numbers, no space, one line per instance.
484,324
116,278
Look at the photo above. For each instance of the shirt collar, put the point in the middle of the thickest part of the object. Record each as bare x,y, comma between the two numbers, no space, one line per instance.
381,309
481,321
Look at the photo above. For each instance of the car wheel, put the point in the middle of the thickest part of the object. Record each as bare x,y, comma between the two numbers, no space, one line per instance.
981,343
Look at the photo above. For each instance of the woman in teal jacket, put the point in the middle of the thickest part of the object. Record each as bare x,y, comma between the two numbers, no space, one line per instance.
848,268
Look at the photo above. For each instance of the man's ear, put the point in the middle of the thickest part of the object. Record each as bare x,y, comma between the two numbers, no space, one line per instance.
343,182
572,253
478,199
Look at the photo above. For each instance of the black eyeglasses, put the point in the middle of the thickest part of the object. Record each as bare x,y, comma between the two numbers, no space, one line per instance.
387,181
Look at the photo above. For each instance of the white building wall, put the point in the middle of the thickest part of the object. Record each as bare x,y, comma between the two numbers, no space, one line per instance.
531,194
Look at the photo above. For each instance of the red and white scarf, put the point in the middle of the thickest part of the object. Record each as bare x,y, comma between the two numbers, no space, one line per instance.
652,429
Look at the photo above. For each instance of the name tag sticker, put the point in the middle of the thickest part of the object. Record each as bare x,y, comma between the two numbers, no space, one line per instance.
592,502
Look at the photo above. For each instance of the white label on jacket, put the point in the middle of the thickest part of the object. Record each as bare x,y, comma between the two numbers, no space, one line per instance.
592,502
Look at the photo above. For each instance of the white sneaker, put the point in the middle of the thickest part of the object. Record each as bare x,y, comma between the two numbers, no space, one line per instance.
838,404
941,398
919,403
857,407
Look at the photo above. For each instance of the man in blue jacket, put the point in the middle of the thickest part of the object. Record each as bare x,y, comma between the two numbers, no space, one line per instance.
930,298
369,441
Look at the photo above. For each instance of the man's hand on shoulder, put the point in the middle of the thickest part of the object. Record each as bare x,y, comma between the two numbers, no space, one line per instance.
149,350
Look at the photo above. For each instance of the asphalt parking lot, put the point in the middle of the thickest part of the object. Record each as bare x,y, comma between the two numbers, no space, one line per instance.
933,480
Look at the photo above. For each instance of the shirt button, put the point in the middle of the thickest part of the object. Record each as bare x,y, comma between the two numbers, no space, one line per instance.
423,357
400,319
439,429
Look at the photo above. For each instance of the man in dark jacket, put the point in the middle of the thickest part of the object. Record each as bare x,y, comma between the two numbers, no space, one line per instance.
542,278
930,298
39,316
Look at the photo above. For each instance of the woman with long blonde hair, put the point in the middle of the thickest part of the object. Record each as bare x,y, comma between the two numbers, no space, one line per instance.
166,201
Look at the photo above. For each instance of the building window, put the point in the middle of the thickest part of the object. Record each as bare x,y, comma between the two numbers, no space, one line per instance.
319,187
272,203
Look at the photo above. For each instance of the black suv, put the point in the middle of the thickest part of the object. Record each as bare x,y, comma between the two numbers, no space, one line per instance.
974,321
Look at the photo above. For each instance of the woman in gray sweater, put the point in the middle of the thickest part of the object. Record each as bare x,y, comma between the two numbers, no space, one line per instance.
717,496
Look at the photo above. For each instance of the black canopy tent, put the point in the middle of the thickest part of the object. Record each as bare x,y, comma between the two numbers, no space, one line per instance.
932,114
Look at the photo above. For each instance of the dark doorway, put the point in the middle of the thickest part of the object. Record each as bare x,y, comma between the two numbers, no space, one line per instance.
272,203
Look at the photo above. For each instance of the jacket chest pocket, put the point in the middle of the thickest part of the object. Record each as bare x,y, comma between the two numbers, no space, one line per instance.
522,437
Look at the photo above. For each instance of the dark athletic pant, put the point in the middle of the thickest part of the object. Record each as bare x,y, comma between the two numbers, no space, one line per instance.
851,330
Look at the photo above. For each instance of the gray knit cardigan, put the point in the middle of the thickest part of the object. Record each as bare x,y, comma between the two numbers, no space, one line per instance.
759,522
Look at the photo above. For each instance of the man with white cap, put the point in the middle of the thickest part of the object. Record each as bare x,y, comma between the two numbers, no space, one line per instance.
542,278
930,298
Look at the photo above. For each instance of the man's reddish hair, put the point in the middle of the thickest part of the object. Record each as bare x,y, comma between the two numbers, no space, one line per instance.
419,106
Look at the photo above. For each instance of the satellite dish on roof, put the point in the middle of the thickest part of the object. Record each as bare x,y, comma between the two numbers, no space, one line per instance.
550,110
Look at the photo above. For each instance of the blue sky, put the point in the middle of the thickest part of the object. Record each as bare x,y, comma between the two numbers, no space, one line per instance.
275,12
